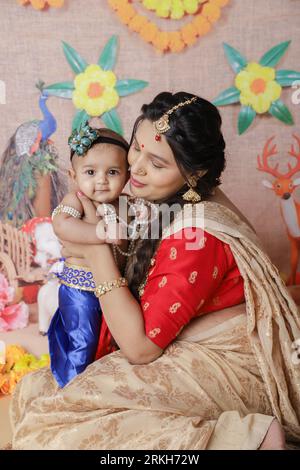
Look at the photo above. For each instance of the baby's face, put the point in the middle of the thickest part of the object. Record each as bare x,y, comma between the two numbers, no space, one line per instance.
102,173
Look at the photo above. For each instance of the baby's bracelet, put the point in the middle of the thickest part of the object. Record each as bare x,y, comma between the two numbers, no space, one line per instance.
66,210
110,285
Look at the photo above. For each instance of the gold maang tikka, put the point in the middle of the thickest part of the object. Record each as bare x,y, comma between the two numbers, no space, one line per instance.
162,124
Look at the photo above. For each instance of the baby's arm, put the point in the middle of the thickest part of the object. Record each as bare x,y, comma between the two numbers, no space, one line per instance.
73,229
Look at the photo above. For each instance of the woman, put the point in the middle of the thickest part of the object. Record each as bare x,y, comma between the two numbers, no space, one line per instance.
227,379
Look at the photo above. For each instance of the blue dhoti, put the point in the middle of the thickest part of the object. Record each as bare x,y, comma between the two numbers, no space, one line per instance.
74,330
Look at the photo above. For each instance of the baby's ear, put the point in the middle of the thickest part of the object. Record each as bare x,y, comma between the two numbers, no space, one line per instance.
72,174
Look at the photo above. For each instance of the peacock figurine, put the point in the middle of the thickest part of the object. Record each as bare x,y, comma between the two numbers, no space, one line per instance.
31,182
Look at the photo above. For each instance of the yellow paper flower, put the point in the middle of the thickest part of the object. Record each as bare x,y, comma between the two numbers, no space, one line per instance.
258,87
174,9
95,91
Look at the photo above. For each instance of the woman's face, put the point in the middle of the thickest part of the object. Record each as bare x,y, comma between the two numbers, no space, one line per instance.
154,172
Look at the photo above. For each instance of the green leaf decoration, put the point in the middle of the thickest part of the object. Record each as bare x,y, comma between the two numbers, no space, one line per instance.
272,57
108,57
279,110
246,117
235,59
77,63
229,96
62,89
129,86
79,119
112,121
287,77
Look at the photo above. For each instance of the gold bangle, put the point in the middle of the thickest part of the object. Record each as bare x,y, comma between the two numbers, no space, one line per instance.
110,285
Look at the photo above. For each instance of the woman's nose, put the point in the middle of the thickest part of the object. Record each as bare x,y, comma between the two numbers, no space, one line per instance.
138,165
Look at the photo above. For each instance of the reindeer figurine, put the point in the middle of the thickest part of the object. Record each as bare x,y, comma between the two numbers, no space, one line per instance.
284,186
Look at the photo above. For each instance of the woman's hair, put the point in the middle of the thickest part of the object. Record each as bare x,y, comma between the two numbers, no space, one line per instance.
107,136
197,143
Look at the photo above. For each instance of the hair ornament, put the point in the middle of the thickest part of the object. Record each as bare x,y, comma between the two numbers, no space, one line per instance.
162,124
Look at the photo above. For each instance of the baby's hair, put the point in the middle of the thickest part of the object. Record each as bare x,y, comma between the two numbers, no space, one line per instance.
106,136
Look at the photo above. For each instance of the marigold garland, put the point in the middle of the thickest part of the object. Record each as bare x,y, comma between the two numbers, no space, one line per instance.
164,41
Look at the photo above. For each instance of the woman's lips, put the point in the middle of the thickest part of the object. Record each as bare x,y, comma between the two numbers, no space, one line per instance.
136,183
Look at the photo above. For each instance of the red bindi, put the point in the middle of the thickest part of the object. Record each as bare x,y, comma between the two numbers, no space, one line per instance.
143,146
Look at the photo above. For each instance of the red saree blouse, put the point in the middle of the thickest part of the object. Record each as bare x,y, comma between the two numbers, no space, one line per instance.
193,273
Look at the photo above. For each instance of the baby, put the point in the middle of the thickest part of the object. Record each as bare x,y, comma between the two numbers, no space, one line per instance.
100,172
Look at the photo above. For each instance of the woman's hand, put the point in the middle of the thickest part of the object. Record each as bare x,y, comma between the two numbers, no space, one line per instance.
73,250
113,232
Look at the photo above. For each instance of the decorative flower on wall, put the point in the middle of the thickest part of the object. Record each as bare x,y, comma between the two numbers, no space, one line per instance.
96,90
258,86
205,14
41,4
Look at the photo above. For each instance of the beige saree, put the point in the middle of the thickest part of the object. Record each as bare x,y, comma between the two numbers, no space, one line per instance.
214,389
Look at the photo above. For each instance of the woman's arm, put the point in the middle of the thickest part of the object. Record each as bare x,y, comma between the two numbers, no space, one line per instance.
181,281
75,230
122,311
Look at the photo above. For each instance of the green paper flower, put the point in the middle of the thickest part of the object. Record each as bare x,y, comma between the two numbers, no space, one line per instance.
258,86
96,91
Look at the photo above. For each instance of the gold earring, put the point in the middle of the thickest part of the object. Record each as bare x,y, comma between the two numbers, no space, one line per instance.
191,195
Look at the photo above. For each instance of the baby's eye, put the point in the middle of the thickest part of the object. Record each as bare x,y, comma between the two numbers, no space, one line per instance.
113,172
90,172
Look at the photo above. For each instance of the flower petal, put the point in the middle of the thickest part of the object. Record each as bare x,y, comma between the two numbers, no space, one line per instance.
95,107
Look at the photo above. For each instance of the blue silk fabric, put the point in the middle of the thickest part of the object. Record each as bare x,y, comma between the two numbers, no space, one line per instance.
74,329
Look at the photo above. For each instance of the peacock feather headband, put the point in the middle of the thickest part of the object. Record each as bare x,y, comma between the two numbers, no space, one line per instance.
80,141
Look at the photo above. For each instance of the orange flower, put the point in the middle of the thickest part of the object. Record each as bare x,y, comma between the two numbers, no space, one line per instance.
202,25
126,13
161,41
149,32
219,3
211,12
189,34
137,23
41,4
115,4
176,42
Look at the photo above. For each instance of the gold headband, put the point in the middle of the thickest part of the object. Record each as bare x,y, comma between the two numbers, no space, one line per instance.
162,124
